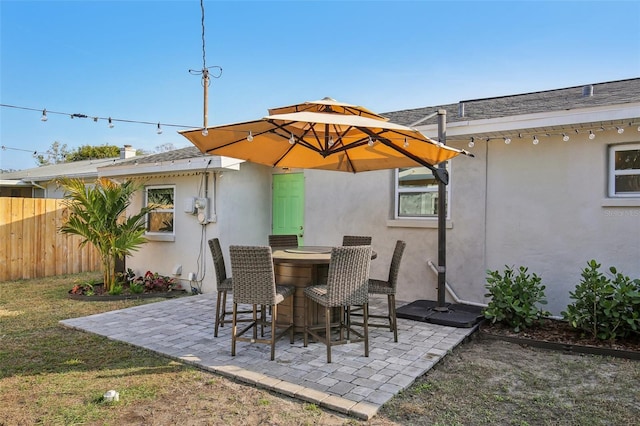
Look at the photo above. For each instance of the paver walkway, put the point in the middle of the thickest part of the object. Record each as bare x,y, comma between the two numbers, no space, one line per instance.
352,384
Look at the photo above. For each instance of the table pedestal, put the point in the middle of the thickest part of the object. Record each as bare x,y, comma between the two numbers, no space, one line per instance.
301,276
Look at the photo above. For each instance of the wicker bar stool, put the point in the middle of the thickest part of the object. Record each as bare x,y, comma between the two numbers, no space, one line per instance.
254,283
223,285
388,287
356,240
347,285
283,240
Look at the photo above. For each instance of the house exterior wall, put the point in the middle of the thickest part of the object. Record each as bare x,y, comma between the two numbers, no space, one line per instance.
541,206
53,190
241,199
363,204
548,210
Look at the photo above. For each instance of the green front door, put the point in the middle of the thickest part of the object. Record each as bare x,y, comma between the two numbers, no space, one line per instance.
288,205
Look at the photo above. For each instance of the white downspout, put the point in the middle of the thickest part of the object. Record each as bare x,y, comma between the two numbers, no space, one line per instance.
450,290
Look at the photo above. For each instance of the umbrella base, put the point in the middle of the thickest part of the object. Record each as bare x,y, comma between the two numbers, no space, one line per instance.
455,314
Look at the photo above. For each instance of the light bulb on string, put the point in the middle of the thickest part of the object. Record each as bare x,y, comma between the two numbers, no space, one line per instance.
292,140
472,143
620,130
370,143
159,130
406,143
250,137
110,123
205,132
592,135
565,137
535,140
331,142
507,140
44,115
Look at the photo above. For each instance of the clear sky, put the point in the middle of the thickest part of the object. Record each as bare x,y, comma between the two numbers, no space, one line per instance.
130,60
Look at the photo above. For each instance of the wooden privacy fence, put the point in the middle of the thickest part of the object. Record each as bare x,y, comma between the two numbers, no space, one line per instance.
31,245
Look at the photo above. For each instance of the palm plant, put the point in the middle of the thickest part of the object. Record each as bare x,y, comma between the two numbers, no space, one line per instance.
98,214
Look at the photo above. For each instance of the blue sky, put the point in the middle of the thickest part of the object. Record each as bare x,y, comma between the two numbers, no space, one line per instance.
130,59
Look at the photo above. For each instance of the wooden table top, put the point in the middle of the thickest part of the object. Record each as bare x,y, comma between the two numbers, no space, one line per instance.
305,255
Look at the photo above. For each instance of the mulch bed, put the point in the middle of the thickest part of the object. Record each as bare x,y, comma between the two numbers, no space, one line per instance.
101,296
559,335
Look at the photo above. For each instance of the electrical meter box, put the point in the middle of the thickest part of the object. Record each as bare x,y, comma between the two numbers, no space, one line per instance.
190,205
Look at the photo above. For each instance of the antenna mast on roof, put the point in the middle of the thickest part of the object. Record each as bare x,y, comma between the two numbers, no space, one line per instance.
205,76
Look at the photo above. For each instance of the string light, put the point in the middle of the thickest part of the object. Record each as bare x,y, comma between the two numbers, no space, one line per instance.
331,141
406,143
250,137
536,141
370,143
292,140
472,143
565,136
47,113
110,123
205,132
159,131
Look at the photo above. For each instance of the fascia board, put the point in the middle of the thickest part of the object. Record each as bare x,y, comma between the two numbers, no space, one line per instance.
531,121
177,166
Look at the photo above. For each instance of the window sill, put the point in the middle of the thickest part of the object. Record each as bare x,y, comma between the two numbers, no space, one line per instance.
621,202
155,237
416,223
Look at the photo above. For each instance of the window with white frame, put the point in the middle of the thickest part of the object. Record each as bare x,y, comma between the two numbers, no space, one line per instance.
624,170
417,193
161,219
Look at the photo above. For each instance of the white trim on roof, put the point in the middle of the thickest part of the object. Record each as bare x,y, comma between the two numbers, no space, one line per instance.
171,166
544,119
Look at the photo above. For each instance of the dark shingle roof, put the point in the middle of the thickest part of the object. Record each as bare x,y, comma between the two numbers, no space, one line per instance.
608,93
176,154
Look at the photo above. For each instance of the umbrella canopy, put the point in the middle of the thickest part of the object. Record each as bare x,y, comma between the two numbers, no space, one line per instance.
310,136
328,105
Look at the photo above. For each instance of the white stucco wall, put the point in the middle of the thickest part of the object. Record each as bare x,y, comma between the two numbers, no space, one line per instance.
542,206
547,209
362,204
241,199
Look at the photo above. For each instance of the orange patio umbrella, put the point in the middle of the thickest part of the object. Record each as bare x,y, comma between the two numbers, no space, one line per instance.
327,135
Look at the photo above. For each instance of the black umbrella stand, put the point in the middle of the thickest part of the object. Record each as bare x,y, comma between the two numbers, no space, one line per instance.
440,312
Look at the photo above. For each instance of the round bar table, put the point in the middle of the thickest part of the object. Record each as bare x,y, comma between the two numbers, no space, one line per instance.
302,267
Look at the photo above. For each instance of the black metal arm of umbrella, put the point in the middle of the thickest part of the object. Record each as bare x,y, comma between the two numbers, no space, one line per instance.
442,175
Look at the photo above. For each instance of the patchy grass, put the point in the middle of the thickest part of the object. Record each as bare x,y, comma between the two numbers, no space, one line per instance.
56,376
489,382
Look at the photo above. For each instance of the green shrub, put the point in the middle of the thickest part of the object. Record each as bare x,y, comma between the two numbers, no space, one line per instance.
607,309
514,298
136,287
116,290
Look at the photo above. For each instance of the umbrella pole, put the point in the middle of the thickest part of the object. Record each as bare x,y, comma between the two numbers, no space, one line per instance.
442,218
